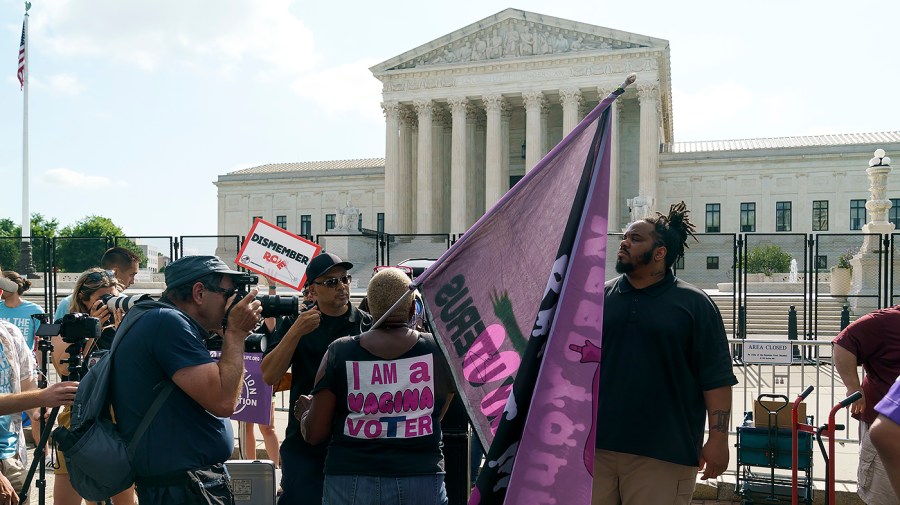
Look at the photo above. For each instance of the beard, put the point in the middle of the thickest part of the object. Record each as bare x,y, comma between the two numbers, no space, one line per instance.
624,268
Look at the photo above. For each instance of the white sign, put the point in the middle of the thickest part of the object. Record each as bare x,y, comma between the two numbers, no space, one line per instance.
773,352
277,253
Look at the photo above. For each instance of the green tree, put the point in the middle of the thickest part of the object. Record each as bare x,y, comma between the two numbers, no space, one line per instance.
81,245
42,229
768,259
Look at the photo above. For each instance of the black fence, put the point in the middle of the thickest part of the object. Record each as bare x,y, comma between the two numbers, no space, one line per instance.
761,282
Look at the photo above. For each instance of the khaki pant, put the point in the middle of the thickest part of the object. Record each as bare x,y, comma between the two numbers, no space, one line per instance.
873,485
15,472
626,479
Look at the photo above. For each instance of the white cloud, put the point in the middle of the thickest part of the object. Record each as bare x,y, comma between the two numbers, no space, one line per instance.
218,36
344,89
73,179
65,83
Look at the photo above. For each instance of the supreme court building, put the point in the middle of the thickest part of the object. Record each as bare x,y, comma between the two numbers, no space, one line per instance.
469,113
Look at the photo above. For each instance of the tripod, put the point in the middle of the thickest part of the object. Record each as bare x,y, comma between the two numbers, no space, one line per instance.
76,372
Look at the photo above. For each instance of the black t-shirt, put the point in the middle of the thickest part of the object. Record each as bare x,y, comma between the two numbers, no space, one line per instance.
305,363
663,346
387,415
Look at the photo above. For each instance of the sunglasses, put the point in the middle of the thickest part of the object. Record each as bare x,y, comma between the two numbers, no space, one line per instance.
227,293
333,282
99,276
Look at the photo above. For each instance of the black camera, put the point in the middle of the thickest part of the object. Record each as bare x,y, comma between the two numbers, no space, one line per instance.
272,305
73,328
255,342
76,328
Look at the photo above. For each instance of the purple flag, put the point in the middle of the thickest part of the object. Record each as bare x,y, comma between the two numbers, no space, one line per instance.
492,300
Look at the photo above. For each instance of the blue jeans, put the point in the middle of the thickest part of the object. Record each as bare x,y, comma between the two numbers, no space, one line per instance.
375,490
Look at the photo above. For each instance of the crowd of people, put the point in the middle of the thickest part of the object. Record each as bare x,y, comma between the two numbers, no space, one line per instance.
348,438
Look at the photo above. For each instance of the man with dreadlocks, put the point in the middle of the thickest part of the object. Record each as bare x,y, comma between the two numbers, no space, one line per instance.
664,370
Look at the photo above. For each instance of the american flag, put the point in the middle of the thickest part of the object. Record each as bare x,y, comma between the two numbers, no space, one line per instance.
22,45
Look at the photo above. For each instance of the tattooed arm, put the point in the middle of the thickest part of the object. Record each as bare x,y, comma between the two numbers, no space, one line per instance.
714,455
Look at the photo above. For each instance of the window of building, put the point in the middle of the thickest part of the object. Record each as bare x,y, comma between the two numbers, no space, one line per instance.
254,218
782,216
820,215
679,263
857,214
306,226
379,222
329,222
359,222
821,262
712,262
713,218
894,213
281,222
513,179
748,217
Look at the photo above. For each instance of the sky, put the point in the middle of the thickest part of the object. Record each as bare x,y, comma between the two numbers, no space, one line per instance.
136,107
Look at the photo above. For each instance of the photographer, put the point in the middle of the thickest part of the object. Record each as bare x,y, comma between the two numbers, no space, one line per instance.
300,343
179,460
90,287
121,262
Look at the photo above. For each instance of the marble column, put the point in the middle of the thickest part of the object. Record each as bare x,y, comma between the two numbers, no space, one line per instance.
473,161
648,95
424,212
458,160
534,137
406,192
392,204
615,199
570,99
440,170
505,116
495,184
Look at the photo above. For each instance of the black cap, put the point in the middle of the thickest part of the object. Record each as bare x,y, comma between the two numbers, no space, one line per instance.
322,263
191,268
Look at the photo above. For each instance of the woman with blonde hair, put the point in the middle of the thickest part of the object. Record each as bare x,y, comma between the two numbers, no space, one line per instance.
90,287
379,397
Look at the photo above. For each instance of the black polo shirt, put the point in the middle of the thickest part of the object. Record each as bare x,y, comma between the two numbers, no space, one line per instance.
306,360
663,346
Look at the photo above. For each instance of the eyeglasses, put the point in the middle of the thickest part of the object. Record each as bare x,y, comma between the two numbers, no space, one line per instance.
99,276
333,282
226,292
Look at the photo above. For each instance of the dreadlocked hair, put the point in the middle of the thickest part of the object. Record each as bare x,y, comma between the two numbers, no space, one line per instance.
673,230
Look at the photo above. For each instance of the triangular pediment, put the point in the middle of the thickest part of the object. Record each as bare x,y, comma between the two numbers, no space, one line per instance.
515,34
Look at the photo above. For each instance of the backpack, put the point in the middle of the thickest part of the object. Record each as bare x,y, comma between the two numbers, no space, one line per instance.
97,457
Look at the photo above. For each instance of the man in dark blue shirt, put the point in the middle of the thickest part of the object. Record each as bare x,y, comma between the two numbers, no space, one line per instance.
191,435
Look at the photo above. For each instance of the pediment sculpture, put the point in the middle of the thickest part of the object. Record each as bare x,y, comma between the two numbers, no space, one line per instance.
515,39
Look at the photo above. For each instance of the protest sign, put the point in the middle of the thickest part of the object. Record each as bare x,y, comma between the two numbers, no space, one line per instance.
277,253
255,401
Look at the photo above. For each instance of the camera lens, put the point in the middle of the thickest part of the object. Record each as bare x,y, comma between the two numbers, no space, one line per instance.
276,306
255,342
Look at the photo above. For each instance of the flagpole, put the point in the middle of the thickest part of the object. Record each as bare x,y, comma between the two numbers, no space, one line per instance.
26,265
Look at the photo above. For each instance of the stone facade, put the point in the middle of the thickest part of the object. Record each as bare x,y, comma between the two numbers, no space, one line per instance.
469,113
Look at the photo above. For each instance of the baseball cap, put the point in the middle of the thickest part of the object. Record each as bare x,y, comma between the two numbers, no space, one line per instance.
322,263
6,284
191,268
